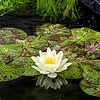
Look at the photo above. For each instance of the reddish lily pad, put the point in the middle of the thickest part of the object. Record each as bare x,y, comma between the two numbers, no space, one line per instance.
89,50
52,31
8,35
28,52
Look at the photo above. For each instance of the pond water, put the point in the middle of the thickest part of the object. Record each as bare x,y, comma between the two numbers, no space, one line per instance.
24,88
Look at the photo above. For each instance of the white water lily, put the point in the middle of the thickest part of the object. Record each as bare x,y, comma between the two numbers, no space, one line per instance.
50,63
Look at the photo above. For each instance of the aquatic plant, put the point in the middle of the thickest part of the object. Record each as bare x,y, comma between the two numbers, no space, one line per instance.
50,63
80,45
46,8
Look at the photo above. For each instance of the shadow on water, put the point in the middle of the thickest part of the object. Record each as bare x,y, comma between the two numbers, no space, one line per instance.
24,88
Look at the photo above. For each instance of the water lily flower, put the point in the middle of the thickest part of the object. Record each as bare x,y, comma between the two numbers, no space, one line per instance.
50,63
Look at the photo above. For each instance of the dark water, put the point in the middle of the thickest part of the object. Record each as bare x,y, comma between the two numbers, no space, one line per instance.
24,88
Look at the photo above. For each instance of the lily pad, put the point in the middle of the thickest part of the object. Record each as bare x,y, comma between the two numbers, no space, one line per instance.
29,71
89,88
85,34
36,42
52,31
92,77
95,64
89,50
9,52
79,35
10,72
8,35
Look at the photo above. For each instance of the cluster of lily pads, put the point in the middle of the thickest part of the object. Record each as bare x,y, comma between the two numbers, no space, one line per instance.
80,45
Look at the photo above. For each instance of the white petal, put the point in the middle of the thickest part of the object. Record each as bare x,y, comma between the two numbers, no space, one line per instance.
50,67
63,62
36,68
42,54
41,60
44,72
35,59
59,56
53,53
40,65
37,62
63,67
48,54
52,75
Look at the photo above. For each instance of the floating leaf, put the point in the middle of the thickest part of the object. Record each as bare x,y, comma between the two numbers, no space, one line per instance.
10,51
52,31
8,35
29,71
92,77
74,71
28,52
89,88
10,72
95,64
84,34
36,42
89,50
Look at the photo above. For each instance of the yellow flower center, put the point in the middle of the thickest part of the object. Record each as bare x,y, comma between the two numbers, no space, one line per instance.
50,60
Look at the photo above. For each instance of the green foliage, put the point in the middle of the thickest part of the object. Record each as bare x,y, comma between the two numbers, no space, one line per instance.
45,8
9,5
54,8
81,46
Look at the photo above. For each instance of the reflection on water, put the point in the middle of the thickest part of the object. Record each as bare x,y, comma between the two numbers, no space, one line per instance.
24,88
44,80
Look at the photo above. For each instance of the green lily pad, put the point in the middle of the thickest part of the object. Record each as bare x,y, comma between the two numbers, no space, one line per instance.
26,63
79,35
95,64
92,77
8,35
10,72
28,52
52,31
32,45
9,52
84,34
89,88
74,71
36,42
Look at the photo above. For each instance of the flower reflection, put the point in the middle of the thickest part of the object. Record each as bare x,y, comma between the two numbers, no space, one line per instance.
44,80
